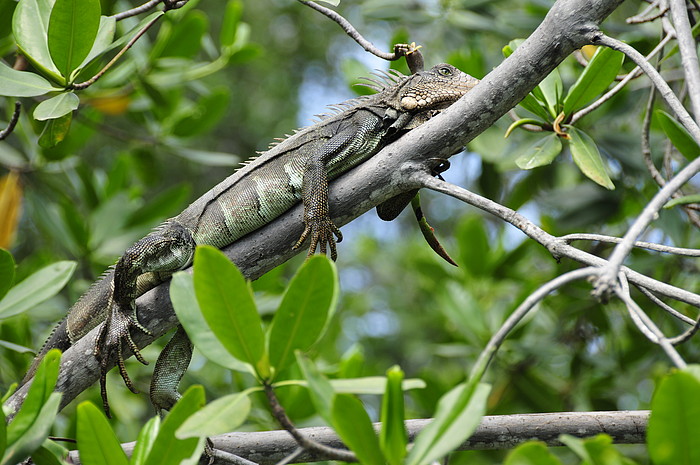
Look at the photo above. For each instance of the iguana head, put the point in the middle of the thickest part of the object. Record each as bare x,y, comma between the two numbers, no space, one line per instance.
434,89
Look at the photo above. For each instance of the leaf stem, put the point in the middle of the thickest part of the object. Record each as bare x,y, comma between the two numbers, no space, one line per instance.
92,80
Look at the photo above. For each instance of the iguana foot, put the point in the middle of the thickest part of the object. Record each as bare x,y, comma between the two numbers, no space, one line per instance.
115,337
320,231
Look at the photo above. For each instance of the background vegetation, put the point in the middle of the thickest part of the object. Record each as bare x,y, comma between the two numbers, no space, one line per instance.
213,82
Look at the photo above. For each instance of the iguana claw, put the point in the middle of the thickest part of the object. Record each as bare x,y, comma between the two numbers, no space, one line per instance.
114,337
321,232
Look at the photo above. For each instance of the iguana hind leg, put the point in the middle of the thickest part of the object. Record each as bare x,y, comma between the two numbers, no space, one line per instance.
165,250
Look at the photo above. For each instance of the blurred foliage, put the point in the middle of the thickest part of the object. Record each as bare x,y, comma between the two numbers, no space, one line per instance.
173,118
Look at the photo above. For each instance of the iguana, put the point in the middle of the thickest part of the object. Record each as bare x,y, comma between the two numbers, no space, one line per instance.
293,169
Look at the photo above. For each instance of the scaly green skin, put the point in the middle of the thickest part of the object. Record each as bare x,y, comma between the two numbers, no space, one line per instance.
297,168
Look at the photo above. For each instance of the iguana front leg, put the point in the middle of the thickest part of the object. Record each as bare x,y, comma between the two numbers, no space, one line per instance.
167,249
351,145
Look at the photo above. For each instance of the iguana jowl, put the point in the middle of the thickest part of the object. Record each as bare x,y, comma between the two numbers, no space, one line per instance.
297,168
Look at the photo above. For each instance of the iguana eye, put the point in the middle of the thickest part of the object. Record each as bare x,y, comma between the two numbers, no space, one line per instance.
445,71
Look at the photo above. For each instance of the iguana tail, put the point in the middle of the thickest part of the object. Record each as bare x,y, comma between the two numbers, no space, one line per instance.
58,339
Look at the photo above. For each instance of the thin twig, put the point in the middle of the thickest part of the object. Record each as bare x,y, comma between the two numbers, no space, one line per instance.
645,143
648,161
687,334
640,244
646,325
664,90
664,306
646,15
13,121
290,458
92,80
636,72
137,11
606,280
688,50
229,458
352,32
557,247
312,446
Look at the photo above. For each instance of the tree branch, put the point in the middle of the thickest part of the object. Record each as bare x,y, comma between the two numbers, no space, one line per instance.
270,447
689,53
386,175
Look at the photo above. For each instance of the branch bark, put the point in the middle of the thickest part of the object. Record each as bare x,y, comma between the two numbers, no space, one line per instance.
494,432
565,28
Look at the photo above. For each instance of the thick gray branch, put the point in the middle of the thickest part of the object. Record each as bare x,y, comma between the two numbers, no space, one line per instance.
494,432
564,29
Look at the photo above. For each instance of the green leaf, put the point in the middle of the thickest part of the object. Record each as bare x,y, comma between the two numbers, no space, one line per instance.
534,106
55,130
30,25
57,106
320,389
210,109
103,40
520,122
15,83
458,414
331,2
185,39
586,156
3,431
228,307
7,272
39,392
50,453
97,443
679,136
304,311
531,453
354,427
73,27
512,46
229,25
167,449
371,385
144,442
218,417
552,91
30,427
595,78
34,436
190,317
683,200
674,424
165,203
542,152
393,437
35,289
598,450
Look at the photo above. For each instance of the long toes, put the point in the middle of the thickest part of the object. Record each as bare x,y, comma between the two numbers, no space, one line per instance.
302,238
103,393
125,375
135,350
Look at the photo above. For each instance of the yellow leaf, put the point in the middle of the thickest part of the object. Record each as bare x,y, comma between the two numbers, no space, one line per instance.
588,51
10,206
111,105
